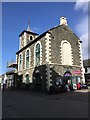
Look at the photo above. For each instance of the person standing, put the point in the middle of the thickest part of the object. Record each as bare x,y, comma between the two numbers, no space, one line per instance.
79,86
67,88
4,84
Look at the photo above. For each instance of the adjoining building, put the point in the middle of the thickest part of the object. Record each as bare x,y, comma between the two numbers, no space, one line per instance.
0,81
52,57
11,74
86,64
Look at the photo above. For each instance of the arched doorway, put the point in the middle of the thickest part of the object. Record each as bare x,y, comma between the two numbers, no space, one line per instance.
27,81
19,81
37,81
68,79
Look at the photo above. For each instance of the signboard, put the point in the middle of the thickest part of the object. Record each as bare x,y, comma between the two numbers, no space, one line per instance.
77,72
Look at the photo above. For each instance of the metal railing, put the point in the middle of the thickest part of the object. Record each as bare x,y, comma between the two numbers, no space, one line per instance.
12,70
9,63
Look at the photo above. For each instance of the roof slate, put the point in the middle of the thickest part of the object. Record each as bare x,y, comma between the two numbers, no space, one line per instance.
28,32
43,34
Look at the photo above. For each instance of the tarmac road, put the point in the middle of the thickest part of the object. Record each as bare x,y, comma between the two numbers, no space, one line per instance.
27,104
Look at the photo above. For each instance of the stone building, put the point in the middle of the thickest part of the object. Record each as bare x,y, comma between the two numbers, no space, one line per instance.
50,57
86,64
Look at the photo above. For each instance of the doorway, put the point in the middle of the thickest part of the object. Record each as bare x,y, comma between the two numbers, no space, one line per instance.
19,81
37,82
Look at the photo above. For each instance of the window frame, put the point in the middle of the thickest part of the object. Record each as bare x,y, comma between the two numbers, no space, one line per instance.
35,54
20,60
29,56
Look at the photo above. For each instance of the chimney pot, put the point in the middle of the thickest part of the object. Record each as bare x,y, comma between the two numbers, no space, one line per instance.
63,21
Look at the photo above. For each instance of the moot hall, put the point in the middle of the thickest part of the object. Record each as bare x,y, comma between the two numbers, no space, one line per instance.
43,61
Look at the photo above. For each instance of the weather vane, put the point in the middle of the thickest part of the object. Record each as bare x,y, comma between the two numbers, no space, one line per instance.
28,22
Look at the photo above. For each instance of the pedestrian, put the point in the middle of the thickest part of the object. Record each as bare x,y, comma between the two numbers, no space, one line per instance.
4,84
79,86
67,88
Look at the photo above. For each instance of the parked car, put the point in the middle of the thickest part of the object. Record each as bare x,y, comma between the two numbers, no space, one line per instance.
84,86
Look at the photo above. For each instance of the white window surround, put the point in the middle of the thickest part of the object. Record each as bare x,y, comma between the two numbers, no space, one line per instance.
26,73
66,51
25,39
20,43
29,77
29,57
40,52
21,62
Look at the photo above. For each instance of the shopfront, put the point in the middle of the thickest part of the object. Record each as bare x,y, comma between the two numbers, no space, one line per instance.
77,75
72,78
67,77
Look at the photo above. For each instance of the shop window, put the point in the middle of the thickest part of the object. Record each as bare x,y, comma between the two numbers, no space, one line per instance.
58,81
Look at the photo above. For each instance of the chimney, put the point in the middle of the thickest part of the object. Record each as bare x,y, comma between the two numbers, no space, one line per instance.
63,21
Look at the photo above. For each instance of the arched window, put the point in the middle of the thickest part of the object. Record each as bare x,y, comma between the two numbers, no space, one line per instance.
20,61
37,54
27,58
27,79
66,53
31,37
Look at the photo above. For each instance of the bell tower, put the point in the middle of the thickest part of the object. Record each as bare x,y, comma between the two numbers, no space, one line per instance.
27,36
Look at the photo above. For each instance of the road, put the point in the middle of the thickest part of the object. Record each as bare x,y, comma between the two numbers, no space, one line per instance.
27,104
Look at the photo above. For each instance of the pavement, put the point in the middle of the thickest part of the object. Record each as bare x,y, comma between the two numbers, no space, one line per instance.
30,104
82,90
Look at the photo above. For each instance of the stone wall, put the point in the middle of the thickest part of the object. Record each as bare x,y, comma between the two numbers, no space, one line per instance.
58,35
51,66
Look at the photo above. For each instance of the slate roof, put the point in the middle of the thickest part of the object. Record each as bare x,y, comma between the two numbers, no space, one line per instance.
32,42
40,36
28,32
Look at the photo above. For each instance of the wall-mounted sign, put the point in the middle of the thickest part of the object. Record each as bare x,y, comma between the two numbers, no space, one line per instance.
77,72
